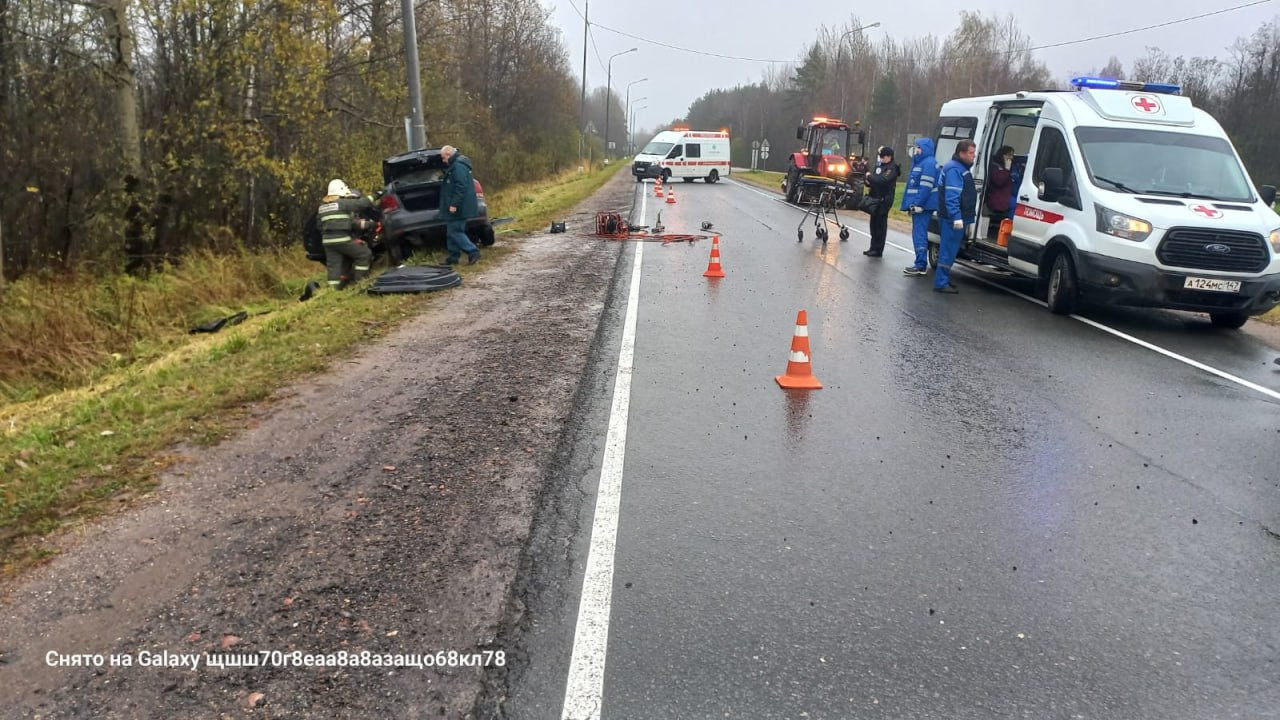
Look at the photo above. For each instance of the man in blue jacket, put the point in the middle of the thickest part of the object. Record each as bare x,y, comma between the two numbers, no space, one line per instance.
920,198
458,203
958,208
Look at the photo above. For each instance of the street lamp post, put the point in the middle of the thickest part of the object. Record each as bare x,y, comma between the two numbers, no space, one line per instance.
635,116
626,115
608,95
631,126
840,66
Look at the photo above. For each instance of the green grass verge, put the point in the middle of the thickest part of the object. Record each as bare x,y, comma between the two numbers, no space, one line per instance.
91,445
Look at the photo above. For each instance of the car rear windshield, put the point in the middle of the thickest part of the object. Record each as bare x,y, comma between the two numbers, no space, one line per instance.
1152,162
656,148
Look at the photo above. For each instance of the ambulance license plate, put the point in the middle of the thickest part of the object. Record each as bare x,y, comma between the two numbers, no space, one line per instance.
1212,285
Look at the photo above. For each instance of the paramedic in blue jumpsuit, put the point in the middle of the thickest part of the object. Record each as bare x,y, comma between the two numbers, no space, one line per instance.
920,198
956,208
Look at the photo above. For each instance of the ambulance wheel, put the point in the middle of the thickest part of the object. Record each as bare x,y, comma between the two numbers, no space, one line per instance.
844,234
1062,291
713,177
1232,320
932,254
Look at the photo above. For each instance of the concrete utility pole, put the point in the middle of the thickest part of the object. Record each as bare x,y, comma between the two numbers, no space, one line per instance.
582,105
418,128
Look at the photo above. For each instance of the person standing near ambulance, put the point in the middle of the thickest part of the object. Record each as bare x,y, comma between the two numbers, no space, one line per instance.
882,185
920,198
957,208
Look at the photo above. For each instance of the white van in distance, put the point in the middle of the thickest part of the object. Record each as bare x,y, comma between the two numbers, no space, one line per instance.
1124,193
684,153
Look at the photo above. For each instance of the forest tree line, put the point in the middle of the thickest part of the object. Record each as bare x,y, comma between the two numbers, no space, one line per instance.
134,130
894,87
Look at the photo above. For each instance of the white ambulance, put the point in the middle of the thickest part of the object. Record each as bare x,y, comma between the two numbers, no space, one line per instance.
684,153
1128,195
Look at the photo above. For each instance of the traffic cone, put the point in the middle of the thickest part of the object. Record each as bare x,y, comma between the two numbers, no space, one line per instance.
799,375
713,266
671,194
657,187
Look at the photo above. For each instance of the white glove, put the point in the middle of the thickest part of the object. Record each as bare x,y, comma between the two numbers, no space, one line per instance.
957,224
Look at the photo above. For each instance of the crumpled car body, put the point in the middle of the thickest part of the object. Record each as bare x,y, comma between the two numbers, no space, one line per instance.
410,203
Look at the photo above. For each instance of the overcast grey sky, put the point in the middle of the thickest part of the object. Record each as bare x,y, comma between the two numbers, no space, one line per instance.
765,29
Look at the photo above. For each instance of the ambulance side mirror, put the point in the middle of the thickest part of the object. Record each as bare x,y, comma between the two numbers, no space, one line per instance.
1051,184
1268,193
800,133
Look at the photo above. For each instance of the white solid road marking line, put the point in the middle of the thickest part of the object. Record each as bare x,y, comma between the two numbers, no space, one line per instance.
583,693
1095,324
1169,353
1126,336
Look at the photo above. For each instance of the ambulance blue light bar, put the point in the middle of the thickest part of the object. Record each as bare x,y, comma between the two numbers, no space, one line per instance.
1100,83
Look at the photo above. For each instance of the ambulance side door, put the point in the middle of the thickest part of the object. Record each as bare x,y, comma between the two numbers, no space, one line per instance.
675,160
1038,212
693,159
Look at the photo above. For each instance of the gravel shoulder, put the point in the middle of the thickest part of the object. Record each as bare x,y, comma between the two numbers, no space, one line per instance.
381,507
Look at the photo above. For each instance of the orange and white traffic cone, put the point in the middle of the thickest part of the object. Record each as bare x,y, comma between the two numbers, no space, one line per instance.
713,266
671,194
657,187
799,375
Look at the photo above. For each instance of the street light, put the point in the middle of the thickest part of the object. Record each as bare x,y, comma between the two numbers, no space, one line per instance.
627,106
608,95
840,67
631,125
635,115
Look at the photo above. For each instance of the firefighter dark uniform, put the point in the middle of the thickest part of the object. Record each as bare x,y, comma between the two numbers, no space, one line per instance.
341,217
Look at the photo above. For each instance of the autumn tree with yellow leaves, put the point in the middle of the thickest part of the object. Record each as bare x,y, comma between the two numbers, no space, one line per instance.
132,131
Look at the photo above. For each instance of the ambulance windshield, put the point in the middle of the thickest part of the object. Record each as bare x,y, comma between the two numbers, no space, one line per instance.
656,148
1151,162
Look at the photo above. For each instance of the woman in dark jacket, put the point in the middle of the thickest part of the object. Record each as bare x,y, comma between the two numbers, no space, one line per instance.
1000,183
1000,186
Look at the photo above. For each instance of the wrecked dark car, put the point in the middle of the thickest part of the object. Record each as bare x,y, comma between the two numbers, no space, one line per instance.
410,202
410,207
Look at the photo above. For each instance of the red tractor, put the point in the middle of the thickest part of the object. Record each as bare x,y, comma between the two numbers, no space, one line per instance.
831,156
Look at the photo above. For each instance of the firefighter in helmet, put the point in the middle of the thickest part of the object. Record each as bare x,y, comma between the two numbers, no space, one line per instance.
342,216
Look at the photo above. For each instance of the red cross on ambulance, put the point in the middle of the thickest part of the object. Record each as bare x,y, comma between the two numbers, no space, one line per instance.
1145,103
1207,211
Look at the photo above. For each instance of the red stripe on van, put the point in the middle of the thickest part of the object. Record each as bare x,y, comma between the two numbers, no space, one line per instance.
1035,213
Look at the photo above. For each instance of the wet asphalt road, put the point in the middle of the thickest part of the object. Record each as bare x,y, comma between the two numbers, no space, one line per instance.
988,512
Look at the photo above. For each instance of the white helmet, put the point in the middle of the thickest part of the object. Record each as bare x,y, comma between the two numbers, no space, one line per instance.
339,188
